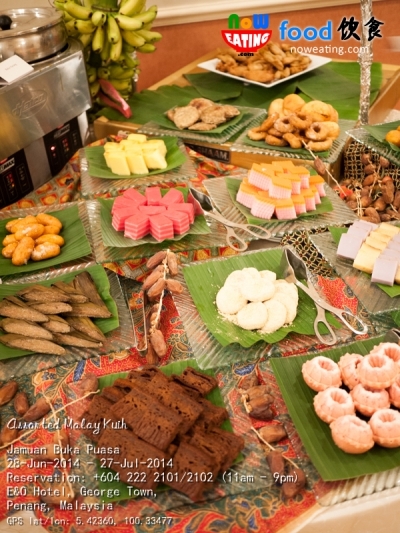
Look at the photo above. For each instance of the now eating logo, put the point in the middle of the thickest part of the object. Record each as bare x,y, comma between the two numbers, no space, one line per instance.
253,35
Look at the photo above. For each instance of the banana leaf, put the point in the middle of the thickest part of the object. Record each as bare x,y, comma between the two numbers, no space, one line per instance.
103,287
233,185
116,239
76,244
206,278
177,367
379,132
390,291
98,167
211,86
331,462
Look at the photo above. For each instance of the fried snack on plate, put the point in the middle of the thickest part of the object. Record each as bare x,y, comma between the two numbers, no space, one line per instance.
46,250
23,251
48,220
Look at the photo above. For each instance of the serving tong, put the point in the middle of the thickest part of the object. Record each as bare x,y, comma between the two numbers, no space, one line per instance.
295,269
205,205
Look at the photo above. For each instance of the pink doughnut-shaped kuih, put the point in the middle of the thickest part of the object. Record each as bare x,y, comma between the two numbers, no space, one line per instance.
368,401
385,425
394,392
332,403
351,434
377,371
391,349
320,373
348,364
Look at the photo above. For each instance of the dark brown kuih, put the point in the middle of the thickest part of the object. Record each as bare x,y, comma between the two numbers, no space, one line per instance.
94,415
198,381
233,443
134,458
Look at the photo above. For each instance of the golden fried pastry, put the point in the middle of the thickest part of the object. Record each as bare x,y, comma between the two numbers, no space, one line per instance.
292,103
269,122
214,114
300,121
23,251
202,126
293,140
320,108
256,134
333,129
185,116
320,146
283,125
276,106
318,131
393,137
275,141
274,132
201,103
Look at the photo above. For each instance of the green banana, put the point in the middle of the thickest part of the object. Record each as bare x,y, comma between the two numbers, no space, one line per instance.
128,61
98,40
85,39
94,88
113,31
121,85
105,52
120,73
76,11
127,48
91,74
84,26
128,23
130,7
150,36
59,5
147,48
103,73
87,3
146,16
132,38
115,50
99,18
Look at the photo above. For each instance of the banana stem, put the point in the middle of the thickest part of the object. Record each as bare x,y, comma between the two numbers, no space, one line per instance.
105,5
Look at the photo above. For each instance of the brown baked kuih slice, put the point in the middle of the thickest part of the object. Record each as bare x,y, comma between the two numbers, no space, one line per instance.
214,447
113,393
176,401
95,414
197,380
212,415
148,418
234,444
192,471
135,461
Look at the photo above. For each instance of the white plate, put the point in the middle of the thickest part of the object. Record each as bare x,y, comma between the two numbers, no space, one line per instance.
316,62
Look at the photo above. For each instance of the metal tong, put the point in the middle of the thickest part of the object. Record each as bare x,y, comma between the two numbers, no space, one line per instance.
204,203
295,269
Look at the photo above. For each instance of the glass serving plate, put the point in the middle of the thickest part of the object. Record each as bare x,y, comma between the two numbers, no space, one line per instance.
372,297
55,262
340,215
250,114
121,338
383,149
209,353
106,254
92,186
240,145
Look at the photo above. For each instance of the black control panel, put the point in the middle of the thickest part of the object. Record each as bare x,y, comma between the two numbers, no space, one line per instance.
15,179
61,144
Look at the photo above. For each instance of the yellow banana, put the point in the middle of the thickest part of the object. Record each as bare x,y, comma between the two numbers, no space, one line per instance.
94,88
147,48
113,31
70,25
121,85
147,26
98,39
153,8
115,50
103,73
130,7
84,26
76,11
146,16
128,23
150,36
132,38
87,3
59,5
85,39
99,18
67,17
105,52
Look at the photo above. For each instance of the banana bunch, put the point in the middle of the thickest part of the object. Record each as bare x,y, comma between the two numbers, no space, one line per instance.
110,38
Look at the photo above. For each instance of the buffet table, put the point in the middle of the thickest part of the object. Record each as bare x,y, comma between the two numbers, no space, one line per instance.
247,510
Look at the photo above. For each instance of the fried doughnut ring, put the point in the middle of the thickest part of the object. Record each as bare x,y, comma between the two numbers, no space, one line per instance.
255,134
283,125
275,141
318,131
269,122
293,140
333,129
275,132
320,146
300,121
